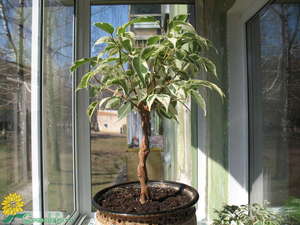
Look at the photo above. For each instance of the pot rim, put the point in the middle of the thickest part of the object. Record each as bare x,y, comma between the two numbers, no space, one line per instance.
191,203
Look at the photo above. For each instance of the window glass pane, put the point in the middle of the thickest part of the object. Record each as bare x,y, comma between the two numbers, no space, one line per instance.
115,143
274,69
15,104
145,9
116,15
57,106
108,136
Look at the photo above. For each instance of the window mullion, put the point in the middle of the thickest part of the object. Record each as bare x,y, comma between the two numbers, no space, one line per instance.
36,110
82,127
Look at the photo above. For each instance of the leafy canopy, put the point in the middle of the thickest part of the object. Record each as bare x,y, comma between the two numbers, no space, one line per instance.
155,77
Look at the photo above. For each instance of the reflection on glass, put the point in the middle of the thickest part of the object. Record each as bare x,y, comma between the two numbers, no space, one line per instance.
57,100
15,104
274,65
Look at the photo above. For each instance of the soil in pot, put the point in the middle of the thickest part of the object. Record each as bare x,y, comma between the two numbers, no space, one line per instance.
126,200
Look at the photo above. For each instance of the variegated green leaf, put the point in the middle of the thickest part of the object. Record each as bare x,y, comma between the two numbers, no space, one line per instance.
91,109
84,82
154,40
209,66
141,68
199,100
150,100
108,28
103,40
127,44
124,110
140,20
164,100
181,17
80,62
112,102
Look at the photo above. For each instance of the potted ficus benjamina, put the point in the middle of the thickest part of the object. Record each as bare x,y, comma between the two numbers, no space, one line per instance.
154,78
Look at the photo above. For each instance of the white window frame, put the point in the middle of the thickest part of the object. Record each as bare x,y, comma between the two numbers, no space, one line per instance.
201,212
38,201
238,138
36,117
82,127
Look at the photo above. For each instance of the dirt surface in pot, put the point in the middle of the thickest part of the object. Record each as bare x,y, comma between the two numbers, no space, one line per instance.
126,200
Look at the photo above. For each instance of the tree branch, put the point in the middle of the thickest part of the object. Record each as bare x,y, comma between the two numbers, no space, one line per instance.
8,33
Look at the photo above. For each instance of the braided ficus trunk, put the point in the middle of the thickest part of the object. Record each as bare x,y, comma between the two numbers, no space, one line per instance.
142,156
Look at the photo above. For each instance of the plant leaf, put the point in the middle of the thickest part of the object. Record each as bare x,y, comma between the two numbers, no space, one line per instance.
127,44
112,102
163,113
173,109
148,52
181,26
181,17
107,27
80,62
102,40
103,101
209,66
124,110
140,20
91,109
207,84
121,30
84,82
199,100
150,99
164,100
141,68
214,87
153,40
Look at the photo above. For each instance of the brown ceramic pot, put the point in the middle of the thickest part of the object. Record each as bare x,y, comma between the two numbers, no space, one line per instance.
183,215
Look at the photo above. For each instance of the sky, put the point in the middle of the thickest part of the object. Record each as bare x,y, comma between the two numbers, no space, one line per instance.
114,14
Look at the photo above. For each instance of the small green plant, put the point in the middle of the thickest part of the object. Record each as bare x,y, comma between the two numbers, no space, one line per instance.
155,78
231,214
247,215
291,211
